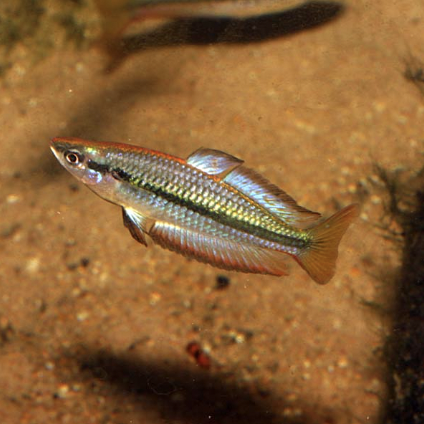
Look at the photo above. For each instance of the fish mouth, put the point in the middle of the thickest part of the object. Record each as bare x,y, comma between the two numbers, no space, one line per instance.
58,148
53,148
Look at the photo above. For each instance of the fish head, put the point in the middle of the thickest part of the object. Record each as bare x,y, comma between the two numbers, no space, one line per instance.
85,160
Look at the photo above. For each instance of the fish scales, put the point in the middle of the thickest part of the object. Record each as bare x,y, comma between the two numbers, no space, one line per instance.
209,207
188,218
165,173
181,184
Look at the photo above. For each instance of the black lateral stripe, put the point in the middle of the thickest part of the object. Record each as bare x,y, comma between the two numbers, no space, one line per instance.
223,219
120,174
103,169
117,173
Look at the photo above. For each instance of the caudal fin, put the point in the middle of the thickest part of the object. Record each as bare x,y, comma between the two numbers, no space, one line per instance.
319,259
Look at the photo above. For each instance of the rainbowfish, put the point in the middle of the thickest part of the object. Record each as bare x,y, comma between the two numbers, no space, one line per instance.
117,14
209,207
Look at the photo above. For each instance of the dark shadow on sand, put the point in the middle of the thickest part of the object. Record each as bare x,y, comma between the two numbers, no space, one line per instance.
405,346
189,395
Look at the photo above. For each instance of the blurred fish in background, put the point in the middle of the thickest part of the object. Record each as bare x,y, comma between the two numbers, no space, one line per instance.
118,15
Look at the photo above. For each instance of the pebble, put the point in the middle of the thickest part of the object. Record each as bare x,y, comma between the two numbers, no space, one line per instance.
345,170
13,198
79,67
337,324
33,265
154,298
306,376
200,354
33,102
222,282
364,216
82,316
62,391
49,366
352,188
342,362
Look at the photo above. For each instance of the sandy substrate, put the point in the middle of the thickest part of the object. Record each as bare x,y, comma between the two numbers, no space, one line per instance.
94,327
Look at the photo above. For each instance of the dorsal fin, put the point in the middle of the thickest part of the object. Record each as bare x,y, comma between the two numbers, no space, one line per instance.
269,196
213,162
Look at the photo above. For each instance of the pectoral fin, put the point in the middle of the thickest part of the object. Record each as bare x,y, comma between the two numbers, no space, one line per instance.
136,223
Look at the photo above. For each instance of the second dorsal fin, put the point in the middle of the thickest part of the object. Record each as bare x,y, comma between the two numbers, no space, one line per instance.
270,197
213,162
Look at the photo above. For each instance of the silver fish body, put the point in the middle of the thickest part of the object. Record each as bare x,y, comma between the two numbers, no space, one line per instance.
208,207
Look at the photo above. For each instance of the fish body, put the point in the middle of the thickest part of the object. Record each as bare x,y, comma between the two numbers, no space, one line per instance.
209,207
117,14
199,8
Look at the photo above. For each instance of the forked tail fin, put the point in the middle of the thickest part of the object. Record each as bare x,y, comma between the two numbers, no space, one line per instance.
319,259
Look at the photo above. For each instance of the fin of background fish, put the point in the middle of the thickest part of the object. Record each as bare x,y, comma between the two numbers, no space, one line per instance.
219,252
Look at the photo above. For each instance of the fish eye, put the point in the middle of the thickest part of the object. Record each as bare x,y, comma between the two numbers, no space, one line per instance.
73,158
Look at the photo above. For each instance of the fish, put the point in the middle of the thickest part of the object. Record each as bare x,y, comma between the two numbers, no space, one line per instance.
116,15
209,207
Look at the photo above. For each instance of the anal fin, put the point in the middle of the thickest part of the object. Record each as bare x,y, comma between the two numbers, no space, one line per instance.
219,252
